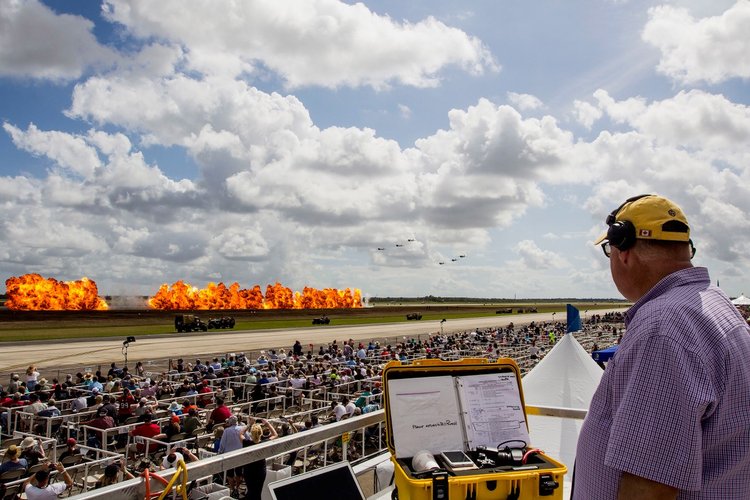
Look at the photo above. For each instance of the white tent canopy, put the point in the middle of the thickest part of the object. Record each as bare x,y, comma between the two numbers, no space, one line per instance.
567,377
741,301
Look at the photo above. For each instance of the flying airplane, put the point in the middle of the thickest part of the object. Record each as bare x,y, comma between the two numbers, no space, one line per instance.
462,256
410,239
399,244
441,263
381,248
454,260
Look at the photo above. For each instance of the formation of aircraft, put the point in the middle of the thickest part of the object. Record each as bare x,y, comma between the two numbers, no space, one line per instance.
402,244
399,244
453,259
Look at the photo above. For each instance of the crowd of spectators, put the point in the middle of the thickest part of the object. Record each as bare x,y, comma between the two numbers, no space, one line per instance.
202,395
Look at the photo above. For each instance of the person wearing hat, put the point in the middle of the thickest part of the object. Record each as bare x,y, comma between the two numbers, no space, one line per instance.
71,450
32,450
231,440
102,421
38,487
13,460
670,416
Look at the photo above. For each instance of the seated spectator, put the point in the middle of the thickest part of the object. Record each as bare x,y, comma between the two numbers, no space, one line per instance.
143,407
32,450
172,458
124,405
38,487
175,408
35,405
219,415
174,427
13,460
147,429
113,474
102,421
349,406
72,449
338,410
51,411
79,402
192,422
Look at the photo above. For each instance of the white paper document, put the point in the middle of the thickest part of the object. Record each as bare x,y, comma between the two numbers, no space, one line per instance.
424,415
447,413
493,414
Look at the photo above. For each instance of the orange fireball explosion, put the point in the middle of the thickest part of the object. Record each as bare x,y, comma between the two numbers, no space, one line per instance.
31,292
184,296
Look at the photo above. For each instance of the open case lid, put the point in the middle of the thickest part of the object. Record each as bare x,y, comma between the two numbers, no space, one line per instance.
440,405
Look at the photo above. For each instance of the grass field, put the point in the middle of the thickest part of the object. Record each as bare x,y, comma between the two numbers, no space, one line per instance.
18,326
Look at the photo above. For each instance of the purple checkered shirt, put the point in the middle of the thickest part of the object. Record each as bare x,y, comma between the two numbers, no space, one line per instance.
673,405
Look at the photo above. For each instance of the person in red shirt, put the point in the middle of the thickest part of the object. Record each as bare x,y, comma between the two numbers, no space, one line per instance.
124,405
102,421
219,415
147,429
205,389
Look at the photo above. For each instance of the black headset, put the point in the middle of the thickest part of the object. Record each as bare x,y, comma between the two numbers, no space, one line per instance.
621,233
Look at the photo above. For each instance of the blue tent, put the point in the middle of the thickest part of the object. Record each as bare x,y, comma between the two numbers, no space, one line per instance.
603,355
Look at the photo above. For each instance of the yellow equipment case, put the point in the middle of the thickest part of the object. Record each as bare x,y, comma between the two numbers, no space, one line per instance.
442,418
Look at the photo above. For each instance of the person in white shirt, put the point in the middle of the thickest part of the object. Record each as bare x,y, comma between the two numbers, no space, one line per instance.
43,490
349,406
339,411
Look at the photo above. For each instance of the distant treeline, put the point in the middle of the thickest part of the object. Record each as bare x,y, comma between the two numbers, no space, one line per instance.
484,300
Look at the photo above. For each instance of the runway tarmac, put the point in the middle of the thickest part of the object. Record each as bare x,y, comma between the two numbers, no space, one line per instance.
50,356
57,357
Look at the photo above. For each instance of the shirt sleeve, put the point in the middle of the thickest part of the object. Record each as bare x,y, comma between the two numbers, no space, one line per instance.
58,487
657,411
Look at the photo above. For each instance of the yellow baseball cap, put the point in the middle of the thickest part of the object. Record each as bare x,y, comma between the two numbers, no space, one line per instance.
654,218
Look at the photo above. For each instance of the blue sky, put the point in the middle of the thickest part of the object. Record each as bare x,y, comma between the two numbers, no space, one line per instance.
258,142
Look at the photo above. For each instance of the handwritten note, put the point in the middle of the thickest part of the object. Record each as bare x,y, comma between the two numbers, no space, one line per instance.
424,415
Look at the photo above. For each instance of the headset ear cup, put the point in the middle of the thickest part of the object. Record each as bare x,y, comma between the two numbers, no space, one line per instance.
621,234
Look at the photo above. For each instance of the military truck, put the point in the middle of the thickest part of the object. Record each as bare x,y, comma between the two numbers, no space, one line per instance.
414,316
189,323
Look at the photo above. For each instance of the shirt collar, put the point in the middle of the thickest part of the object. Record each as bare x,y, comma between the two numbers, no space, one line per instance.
682,277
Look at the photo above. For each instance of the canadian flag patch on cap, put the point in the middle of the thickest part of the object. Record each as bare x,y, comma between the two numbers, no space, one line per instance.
645,233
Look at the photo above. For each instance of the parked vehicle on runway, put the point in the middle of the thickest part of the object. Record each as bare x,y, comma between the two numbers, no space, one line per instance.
223,322
323,320
189,323
414,316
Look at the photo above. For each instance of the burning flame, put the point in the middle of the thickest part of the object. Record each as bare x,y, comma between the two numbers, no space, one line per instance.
31,292
184,296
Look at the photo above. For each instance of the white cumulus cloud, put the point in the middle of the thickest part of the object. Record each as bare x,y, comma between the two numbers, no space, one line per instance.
62,46
712,49
306,42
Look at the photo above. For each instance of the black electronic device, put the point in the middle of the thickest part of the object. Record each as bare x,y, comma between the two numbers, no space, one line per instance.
335,481
621,233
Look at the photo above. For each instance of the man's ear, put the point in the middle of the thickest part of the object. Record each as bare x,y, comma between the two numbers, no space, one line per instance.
625,256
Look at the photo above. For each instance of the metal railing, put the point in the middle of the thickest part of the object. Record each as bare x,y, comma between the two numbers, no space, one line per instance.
299,442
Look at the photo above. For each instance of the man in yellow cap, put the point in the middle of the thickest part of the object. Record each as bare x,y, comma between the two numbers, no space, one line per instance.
670,417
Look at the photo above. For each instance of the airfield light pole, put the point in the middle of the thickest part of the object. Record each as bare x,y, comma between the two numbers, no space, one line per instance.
125,345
